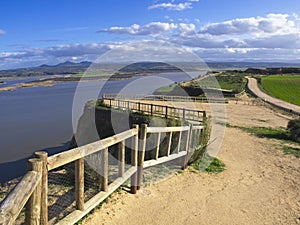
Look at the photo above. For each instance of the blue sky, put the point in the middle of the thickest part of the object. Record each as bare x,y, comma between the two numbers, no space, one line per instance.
35,32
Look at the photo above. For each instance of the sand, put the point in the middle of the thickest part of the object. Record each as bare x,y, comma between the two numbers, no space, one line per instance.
259,186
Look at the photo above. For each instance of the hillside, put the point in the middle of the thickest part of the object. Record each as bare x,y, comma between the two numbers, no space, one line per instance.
69,68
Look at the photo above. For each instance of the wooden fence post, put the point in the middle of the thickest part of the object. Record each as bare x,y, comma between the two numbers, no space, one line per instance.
157,146
134,159
169,143
121,158
33,206
151,109
166,115
179,142
79,183
187,147
204,117
104,170
141,155
44,195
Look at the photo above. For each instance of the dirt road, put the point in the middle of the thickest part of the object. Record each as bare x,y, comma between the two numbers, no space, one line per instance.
259,186
252,85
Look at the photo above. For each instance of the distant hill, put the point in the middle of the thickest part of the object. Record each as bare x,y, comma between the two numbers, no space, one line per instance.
46,70
149,67
273,71
69,68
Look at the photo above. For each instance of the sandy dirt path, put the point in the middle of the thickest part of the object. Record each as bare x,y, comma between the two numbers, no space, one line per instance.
259,186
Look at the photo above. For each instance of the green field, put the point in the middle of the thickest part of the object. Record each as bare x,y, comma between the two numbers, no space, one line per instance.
230,82
284,87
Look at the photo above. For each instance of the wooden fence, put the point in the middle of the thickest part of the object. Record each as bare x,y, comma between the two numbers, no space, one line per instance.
170,98
192,115
33,188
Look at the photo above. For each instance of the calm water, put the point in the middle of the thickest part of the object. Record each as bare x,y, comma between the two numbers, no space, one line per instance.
35,119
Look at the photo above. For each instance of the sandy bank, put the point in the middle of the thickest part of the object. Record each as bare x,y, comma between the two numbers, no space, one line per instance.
48,83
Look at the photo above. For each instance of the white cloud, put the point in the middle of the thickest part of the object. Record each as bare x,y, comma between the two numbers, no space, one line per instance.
154,28
271,24
187,28
248,54
272,37
269,32
173,6
52,55
2,32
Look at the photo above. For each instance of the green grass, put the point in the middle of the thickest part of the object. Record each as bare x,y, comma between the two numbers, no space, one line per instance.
291,150
232,81
229,82
209,164
168,88
284,87
268,132
275,133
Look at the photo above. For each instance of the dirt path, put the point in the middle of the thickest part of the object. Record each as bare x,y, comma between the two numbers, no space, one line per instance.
252,85
260,184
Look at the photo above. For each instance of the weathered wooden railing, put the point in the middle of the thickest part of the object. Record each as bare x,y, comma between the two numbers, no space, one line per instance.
33,188
170,98
193,115
155,97
27,191
102,146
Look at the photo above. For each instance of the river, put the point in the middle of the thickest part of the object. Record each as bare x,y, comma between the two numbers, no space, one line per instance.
40,119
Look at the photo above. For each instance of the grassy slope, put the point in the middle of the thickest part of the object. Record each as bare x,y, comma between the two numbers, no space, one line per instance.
284,87
230,81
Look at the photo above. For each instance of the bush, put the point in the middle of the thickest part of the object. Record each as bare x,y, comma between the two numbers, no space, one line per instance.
294,129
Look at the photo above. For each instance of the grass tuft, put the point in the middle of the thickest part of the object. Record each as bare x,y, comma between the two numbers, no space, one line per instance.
269,132
209,164
291,151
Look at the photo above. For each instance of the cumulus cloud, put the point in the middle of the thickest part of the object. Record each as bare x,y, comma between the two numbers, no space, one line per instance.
2,32
51,55
269,32
153,28
272,23
272,37
76,50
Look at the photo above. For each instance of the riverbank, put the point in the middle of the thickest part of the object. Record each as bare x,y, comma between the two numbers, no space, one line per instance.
40,83
52,81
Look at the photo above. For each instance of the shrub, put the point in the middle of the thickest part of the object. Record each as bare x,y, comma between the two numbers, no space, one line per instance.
294,129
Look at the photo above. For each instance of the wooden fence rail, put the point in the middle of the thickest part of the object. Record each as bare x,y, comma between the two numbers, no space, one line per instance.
192,115
155,97
33,188
28,190
170,98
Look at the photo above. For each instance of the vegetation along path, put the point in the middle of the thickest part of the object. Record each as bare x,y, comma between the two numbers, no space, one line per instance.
253,87
259,186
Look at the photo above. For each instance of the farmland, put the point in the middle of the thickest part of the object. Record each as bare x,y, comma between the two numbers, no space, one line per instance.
284,87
